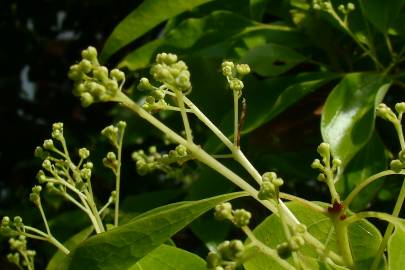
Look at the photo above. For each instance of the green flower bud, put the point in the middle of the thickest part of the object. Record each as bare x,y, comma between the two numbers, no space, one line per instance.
88,165
336,162
48,144
85,66
101,73
213,260
166,58
396,165
237,248
228,68
90,54
74,73
267,191
111,132
386,113
35,198
144,85
321,177
236,85
401,155
351,6
223,211
269,176
243,69
84,153
296,242
37,189
117,74
342,9
316,164
241,217
85,173
400,107
57,126
40,153
181,150
5,221
141,167
47,165
324,149
121,125
18,221
278,182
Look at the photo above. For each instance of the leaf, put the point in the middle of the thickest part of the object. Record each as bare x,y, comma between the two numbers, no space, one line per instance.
170,258
370,160
124,246
272,59
381,14
363,236
146,16
61,261
349,113
396,249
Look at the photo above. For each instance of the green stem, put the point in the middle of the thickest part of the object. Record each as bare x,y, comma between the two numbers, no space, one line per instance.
183,112
390,228
398,128
58,244
94,211
118,180
41,210
267,250
28,262
235,118
303,202
365,183
342,238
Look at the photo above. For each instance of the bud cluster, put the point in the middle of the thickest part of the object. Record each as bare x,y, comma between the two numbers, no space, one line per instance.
269,189
153,160
323,5
398,164
327,172
172,73
155,101
345,10
114,133
234,74
228,256
93,82
239,217
22,256
11,227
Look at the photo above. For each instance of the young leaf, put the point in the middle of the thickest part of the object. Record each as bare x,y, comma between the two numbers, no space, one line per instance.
396,249
349,113
148,15
122,247
170,258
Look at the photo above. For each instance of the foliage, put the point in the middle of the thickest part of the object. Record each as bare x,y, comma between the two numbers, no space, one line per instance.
274,55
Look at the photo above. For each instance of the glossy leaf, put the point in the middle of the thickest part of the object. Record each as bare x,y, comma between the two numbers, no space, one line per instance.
349,113
272,59
146,16
370,160
381,14
61,261
170,258
124,246
363,236
396,249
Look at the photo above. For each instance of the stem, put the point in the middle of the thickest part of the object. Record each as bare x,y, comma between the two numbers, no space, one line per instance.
94,211
398,128
235,118
389,46
27,261
342,238
365,183
41,210
390,228
372,214
41,233
304,202
187,128
58,244
105,206
267,250
118,180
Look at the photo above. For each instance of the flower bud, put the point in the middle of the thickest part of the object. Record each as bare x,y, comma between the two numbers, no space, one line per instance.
243,69
396,165
40,153
316,164
236,85
85,66
269,176
400,107
324,149
213,260
241,217
37,189
386,113
48,144
228,68
84,153
351,6
321,177
401,156
181,150
117,74
223,211
90,54
267,191
47,165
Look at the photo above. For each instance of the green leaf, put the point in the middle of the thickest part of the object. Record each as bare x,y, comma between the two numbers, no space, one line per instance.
381,13
363,236
149,14
272,59
396,249
61,261
170,258
370,160
349,113
122,247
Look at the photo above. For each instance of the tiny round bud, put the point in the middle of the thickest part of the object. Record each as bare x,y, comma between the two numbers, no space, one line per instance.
47,165
213,260
5,221
117,75
88,165
85,66
401,155
18,220
84,153
324,149
40,153
267,191
86,99
342,8
37,189
336,162
48,144
228,68
321,177
351,6
278,182
236,85
121,125
181,150
400,107
144,85
269,176
85,173
396,165
241,217
223,211
90,54
316,164
243,69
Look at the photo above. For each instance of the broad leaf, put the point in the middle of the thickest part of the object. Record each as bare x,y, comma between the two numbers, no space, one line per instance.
148,15
61,261
272,59
363,236
170,258
122,247
370,160
381,13
349,113
396,249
